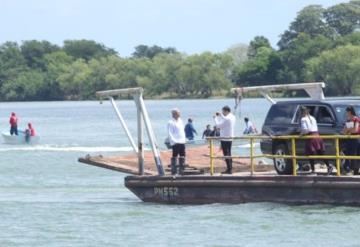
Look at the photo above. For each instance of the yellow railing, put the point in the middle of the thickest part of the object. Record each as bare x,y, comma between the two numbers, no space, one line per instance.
293,156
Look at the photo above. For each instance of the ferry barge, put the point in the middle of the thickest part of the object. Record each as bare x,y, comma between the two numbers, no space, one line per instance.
202,183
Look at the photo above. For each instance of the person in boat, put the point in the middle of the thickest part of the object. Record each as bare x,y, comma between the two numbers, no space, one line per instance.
249,127
190,130
225,121
314,145
351,145
29,132
207,132
13,124
176,136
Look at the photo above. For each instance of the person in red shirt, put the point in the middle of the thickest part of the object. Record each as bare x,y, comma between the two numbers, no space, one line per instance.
31,129
13,124
29,132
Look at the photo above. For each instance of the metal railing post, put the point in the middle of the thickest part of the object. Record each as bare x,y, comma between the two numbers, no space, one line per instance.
293,153
211,157
252,155
337,148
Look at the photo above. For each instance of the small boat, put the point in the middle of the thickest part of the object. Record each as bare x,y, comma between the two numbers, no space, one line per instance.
20,138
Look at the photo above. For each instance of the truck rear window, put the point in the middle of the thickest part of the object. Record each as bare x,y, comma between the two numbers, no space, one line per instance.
280,114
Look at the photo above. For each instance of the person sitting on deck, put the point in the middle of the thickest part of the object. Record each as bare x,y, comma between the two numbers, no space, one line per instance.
207,132
315,145
29,132
13,124
176,135
190,130
249,127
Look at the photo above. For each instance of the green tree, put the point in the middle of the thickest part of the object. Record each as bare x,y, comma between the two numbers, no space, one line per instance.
344,17
56,64
261,69
193,76
12,62
238,53
339,68
34,51
163,73
144,51
24,87
86,49
256,44
302,48
353,38
74,80
128,71
310,20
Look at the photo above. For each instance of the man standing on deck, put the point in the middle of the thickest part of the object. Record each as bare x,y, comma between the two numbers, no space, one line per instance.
225,121
13,124
190,130
176,135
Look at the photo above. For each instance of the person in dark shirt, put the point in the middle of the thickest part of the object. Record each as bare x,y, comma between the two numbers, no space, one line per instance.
207,132
190,130
215,132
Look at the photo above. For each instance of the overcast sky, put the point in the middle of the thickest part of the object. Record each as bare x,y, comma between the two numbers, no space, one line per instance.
191,26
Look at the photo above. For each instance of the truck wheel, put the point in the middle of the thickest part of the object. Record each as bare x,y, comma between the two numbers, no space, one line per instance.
282,166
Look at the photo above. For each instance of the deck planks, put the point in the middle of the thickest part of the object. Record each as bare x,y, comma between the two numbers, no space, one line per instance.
197,160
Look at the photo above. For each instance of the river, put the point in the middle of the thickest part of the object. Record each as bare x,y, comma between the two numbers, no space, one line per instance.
48,199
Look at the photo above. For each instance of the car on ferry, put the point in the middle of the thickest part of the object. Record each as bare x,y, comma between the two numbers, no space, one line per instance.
283,118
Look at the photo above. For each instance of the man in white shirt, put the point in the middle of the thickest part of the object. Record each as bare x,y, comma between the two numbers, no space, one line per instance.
176,135
226,123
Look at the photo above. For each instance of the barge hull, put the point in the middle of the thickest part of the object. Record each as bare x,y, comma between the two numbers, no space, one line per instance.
243,189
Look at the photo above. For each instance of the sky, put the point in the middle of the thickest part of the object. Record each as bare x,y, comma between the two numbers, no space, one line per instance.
191,26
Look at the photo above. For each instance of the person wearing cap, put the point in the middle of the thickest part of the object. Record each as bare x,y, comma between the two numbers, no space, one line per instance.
13,124
176,136
225,121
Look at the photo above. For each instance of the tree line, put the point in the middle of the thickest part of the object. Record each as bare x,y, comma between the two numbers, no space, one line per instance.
321,44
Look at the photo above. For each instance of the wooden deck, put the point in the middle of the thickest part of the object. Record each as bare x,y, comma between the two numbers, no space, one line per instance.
197,162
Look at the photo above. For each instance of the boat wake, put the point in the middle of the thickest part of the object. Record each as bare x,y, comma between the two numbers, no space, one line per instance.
53,148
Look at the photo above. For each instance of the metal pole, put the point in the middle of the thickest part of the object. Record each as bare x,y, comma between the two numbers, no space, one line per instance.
128,134
140,132
293,153
252,155
337,148
151,135
211,157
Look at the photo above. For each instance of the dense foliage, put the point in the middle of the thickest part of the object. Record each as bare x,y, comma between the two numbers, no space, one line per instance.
320,45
